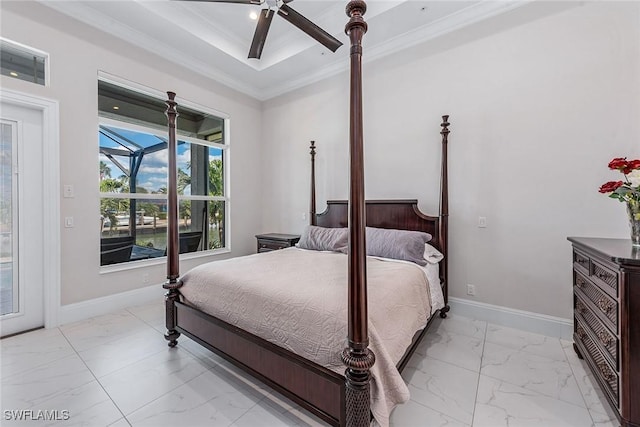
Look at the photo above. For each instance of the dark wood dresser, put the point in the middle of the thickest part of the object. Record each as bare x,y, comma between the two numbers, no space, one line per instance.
606,309
273,241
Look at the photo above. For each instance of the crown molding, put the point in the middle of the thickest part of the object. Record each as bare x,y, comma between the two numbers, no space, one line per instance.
97,20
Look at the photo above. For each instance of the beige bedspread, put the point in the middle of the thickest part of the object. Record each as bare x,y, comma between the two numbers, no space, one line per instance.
297,299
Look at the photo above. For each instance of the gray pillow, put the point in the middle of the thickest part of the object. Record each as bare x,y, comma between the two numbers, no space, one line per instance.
324,239
397,244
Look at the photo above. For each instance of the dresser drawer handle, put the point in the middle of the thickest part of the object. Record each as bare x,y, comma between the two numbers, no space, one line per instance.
582,261
605,305
602,276
606,371
605,338
581,333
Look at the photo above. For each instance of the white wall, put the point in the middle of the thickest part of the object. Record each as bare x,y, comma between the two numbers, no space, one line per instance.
77,54
537,112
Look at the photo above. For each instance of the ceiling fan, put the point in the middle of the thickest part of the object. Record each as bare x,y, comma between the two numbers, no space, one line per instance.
281,8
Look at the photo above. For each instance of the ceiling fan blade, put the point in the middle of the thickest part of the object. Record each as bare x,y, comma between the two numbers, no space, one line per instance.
259,37
230,1
309,27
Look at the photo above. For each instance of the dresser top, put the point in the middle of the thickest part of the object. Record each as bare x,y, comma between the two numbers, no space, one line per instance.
619,251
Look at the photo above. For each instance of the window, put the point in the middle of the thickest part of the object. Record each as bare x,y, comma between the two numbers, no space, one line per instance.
132,137
22,62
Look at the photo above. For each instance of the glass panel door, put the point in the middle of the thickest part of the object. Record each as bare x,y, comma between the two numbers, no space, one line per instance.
9,291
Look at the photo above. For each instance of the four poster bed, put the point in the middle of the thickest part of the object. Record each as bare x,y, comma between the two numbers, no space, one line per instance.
300,351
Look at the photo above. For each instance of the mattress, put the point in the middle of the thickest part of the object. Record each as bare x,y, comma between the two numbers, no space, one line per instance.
297,299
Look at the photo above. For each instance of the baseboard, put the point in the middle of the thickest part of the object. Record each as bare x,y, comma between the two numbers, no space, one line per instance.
528,321
104,305
525,320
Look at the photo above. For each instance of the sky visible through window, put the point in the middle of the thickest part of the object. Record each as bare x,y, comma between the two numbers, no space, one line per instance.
152,175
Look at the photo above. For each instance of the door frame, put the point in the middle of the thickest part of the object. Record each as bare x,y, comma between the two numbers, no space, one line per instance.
51,195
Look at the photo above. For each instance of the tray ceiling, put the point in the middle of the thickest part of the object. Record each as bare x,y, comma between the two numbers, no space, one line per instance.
213,39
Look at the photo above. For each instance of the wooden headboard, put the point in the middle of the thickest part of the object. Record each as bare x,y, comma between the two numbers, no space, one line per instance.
396,214
401,214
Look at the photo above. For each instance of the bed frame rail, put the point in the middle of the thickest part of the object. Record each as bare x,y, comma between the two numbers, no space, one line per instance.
314,387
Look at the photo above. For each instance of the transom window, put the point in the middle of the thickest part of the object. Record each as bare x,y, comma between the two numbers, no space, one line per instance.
133,155
21,62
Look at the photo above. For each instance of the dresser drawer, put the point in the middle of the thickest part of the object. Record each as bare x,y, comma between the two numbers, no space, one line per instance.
604,278
581,262
607,340
607,376
604,305
600,274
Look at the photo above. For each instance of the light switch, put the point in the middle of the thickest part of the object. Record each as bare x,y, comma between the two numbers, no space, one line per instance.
68,222
482,221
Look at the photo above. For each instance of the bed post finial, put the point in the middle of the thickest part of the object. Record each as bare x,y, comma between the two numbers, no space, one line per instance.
357,357
312,211
444,214
173,283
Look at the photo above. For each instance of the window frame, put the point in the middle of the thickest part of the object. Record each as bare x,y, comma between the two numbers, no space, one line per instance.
226,153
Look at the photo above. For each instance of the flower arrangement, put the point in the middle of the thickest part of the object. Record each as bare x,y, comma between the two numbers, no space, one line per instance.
629,189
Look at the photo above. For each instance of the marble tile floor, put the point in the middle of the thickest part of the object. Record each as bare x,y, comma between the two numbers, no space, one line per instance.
116,370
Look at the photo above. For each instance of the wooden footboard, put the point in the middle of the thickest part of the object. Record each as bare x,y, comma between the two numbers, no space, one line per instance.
314,387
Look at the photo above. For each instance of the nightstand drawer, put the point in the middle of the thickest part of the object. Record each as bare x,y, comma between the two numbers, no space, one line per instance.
607,376
605,306
274,241
271,245
607,340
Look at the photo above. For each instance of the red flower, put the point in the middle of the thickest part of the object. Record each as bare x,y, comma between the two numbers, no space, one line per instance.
631,166
619,163
610,186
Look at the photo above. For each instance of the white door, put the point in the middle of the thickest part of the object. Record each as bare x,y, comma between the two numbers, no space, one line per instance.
21,219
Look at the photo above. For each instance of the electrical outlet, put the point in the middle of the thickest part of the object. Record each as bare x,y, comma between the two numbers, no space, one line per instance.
471,290
68,191
304,216
145,278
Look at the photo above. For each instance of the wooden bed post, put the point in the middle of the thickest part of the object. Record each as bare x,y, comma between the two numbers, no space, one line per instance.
444,214
173,267
357,357
312,211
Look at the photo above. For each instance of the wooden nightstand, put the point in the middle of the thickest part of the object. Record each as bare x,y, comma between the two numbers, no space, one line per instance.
273,241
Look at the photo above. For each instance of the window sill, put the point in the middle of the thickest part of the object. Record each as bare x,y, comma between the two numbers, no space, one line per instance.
133,265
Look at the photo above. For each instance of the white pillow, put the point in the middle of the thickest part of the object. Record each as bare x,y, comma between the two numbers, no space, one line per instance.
431,254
